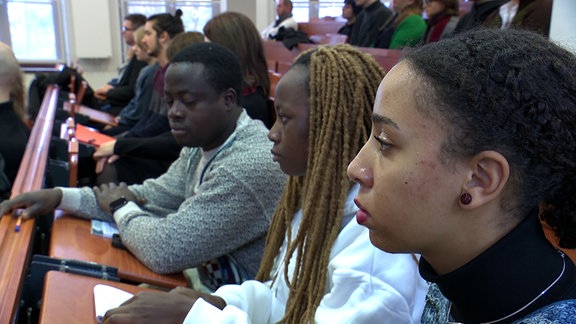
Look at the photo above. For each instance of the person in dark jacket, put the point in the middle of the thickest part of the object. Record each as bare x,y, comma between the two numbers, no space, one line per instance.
13,129
374,15
349,12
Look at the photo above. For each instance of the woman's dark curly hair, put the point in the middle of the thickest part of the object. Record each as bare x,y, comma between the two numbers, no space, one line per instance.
513,92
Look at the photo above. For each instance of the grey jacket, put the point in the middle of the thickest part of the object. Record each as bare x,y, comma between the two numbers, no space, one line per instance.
228,215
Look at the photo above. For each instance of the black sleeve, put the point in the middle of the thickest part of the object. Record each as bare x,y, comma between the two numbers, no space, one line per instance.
162,147
124,91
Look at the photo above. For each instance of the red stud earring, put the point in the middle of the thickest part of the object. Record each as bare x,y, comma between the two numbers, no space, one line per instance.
465,198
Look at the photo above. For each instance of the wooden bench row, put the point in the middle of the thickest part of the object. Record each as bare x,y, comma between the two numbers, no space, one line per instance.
279,58
15,247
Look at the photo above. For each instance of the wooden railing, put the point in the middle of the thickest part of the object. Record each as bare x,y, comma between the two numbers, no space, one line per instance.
15,247
279,58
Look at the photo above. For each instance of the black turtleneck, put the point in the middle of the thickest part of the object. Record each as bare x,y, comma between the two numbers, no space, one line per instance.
507,276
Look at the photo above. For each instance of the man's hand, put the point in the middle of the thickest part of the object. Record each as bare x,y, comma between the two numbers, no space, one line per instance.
35,203
107,193
158,307
100,93
104,150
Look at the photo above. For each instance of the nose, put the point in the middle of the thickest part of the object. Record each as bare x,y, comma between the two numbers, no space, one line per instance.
174,111
274,134
359,172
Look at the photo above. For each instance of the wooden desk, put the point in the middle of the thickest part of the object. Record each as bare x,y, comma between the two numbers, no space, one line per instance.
69,298
71,239
15,247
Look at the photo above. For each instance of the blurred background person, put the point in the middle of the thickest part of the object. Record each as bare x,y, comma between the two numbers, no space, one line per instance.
285,19
13,129
442,19
405,29
238,33
349,12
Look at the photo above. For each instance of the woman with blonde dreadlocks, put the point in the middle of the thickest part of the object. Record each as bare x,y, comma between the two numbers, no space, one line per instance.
319,265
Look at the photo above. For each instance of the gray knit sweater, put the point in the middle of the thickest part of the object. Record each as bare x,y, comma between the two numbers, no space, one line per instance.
229,214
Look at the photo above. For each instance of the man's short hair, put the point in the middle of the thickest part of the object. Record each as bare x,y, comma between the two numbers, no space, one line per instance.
222,68
136,19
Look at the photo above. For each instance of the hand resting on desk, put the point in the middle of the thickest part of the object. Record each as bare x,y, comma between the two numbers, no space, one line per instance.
34,203
159,307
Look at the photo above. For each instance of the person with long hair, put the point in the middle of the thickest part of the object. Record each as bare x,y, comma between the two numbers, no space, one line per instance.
318,264
403,29
463,169
13,127
239,34
442,19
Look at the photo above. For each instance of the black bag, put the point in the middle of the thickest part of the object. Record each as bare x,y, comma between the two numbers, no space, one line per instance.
291,37
62,78
5,184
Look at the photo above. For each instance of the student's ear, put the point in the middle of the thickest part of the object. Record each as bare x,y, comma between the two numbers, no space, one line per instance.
488,175
230,98
164,37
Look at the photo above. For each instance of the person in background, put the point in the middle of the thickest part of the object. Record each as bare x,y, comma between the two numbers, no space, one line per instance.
237,32
442,19
349,12
213,207
478,14
119,91
318,265
135,159
285,20
463,169
131,113
13,129
405,29
369,20
533,15
159,31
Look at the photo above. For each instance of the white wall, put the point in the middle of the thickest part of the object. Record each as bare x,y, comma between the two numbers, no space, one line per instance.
99,71
563,26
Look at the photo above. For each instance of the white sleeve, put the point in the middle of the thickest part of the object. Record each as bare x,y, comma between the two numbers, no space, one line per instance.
367,285
250,302
203,310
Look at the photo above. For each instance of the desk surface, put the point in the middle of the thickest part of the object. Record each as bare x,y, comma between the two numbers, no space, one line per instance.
71,239
69,298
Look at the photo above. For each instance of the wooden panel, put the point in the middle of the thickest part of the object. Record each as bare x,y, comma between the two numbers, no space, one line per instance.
320,27
69,298
71,239
15,247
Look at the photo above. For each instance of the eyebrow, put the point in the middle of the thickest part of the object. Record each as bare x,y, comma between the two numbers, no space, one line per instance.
379,119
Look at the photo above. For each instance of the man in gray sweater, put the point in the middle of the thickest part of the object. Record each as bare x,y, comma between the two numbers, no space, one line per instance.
213,207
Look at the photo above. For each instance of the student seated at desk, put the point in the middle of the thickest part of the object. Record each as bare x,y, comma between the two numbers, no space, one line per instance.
13,130
319,265
131,113
464,177
213,207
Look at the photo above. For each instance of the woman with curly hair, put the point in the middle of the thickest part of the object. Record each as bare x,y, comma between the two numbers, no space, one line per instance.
462,170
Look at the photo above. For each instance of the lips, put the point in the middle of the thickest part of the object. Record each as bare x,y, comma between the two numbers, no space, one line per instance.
362,215
275,156
178,131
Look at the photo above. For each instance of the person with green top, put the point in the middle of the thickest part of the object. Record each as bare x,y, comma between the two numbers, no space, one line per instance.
405,28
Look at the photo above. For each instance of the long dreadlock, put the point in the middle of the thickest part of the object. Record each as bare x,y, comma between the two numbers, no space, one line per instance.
341,85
